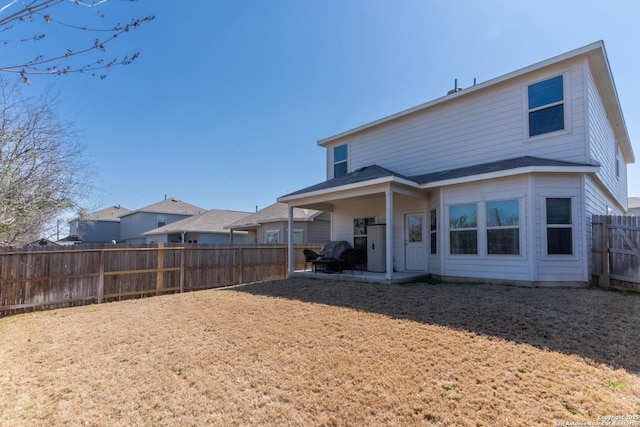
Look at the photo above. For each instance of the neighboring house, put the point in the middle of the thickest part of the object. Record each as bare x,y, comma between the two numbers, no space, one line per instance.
167,211
207,227
497,181
634,205
269,225
101,226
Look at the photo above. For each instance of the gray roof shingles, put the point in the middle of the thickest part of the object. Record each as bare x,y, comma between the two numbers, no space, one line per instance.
374,171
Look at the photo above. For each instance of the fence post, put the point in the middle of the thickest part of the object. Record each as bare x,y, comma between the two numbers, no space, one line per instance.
182,258
604,277
160,273
101,278
240,266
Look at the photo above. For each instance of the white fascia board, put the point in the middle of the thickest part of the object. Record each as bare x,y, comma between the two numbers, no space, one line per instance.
353,186
511,172
464,92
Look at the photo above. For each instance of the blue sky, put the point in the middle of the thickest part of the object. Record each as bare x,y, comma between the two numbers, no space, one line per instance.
228,98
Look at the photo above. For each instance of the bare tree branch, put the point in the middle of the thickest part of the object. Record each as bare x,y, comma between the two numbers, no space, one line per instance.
24,11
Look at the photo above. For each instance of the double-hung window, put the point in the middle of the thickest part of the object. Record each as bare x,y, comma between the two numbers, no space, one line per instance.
340,160
463,229
503,229
559,226
546,106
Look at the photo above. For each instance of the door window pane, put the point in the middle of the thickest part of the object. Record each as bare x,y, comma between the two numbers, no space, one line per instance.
414,224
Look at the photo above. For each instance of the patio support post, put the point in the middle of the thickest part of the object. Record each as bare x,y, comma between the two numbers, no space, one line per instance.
290,241
389,231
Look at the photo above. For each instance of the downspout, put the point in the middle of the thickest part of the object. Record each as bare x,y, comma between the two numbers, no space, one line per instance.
290,241
389,232
182,236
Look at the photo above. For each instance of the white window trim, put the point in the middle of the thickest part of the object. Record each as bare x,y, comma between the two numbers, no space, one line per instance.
266,236
480,241
566,94
520,201
297,230
334,163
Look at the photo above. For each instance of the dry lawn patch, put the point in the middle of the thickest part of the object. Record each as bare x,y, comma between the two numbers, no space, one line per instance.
321,352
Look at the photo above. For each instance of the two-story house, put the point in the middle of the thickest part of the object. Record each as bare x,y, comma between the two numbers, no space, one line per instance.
497,181
133,224
102,226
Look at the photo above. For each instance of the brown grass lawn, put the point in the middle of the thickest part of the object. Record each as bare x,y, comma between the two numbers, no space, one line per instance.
317,352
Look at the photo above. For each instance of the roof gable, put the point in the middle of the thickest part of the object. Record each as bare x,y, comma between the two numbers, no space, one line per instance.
112,213
595,54
363,174
211,221
170,206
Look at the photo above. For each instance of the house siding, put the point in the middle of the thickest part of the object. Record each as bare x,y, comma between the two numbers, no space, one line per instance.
317,231
97,231
484,126
603,145
507,267
561,268
132,226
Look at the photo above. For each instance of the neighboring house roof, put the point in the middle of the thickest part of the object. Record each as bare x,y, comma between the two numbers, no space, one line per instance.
212,221
634,202
597,56
375,172
112,213
170,206
273,213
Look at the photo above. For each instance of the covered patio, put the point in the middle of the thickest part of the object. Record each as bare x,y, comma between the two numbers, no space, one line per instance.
372,184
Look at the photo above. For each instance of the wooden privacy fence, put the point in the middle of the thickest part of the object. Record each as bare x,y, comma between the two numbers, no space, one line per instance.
616,251
45,277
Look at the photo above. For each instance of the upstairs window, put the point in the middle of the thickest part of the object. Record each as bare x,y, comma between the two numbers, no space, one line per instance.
546,106
161,220
340,157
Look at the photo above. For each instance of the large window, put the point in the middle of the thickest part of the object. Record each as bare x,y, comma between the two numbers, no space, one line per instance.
463,229
559,226
546,106
161,220
503,230
340,157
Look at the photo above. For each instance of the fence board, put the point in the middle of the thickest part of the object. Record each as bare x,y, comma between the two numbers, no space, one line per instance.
39,278
616,251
